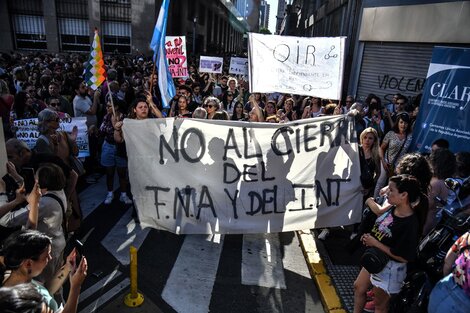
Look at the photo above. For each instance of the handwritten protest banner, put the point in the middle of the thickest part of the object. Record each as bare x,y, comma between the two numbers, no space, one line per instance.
27,131
210,64
205,177
297,65
238,66
176,56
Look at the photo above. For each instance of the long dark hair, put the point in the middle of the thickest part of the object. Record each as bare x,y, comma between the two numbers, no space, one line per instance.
23,245
412,186
22,298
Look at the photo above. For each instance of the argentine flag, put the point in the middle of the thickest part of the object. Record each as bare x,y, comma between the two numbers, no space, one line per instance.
165,81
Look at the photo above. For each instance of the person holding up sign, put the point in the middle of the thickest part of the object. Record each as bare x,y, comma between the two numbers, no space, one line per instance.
113,154
139,110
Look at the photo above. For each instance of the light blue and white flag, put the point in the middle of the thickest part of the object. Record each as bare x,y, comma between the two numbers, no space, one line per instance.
165,82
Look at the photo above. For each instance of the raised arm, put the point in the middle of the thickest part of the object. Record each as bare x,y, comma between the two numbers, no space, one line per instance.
33,201
152,105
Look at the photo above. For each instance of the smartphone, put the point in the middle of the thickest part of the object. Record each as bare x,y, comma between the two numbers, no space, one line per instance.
79,248
28,176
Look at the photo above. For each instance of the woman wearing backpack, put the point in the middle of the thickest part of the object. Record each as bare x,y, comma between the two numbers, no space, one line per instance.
452,293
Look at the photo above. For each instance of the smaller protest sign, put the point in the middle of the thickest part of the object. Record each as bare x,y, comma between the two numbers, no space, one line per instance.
296,65
176,55
238,66
27,131
211,64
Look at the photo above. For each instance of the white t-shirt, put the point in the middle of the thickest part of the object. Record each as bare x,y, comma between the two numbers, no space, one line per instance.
81,105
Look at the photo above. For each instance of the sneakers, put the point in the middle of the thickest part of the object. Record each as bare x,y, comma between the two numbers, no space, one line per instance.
125,199
323,234
109,198
370,306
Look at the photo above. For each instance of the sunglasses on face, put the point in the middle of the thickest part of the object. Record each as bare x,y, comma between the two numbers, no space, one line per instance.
209,106
230,95
54,104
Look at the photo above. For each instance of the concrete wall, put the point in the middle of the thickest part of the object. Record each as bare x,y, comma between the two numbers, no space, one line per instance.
6,34
50,25
143,22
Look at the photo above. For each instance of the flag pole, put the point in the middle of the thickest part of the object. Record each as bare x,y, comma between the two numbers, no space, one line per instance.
151,77
111,97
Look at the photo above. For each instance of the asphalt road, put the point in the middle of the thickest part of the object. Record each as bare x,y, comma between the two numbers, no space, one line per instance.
189,273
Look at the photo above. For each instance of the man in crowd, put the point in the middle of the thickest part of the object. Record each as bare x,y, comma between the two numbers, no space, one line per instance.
64,105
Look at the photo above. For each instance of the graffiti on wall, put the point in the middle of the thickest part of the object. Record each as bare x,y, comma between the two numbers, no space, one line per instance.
407,86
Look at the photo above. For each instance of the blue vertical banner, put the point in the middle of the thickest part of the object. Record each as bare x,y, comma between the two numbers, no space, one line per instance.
444,111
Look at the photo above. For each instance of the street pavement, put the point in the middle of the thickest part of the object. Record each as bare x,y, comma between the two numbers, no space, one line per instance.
188,273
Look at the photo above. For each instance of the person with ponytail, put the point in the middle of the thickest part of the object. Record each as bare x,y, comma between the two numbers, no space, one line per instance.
395,234
25,255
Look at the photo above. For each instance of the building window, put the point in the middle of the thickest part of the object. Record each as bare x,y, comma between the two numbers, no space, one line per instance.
74,34
116,37
29,32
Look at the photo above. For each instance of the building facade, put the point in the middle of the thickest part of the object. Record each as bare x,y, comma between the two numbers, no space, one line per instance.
281,10
264,14
125,26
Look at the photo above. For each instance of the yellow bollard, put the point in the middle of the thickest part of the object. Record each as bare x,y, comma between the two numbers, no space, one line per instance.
134,298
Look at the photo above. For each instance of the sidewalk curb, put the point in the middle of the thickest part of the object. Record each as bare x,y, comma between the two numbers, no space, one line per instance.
329,297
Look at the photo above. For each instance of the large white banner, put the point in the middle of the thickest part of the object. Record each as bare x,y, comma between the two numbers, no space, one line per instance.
192,176
27,131
238,66
210,64
296,65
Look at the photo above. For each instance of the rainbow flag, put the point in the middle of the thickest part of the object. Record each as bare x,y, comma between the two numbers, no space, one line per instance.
95,73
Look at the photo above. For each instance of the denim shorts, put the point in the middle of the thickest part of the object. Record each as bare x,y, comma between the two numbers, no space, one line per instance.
448,297
391,278
109,157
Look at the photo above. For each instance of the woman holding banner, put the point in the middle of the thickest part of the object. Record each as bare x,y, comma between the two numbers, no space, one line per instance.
140,109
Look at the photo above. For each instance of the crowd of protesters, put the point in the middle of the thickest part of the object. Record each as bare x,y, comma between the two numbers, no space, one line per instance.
50,87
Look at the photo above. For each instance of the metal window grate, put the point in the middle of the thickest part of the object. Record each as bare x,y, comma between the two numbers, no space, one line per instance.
115,10
72,8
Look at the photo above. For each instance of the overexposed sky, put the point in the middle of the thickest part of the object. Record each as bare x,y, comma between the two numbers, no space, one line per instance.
272,15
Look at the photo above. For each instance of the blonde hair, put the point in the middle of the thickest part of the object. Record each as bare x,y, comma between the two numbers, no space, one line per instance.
375,147
232,79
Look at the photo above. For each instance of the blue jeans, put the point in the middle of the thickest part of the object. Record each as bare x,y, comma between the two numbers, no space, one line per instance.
109,157
448,297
